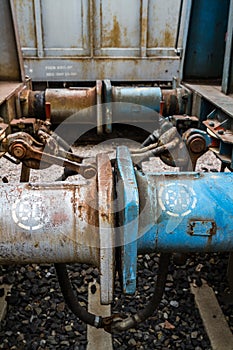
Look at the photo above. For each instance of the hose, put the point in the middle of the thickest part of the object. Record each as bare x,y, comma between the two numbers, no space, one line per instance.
71,300
120,324
114,323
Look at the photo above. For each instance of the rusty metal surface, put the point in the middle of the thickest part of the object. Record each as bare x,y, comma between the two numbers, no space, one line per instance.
8,89
33,104
9,92
144,96
219,130
197,143
118,68
48,223
163,20
106,227
99,121
213,94
175,101
37,155
69,102
91,40
3,129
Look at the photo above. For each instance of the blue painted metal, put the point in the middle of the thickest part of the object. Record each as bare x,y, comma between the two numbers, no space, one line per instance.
128,213
146,96
227,81
206,40
179,212
193,213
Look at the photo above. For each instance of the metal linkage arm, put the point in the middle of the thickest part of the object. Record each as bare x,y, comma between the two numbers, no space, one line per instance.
36,155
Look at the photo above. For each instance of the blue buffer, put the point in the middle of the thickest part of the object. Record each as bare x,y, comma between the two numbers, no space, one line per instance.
189,212
172,212
144,96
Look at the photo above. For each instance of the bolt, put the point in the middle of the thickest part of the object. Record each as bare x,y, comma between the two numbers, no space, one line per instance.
18,151
197,144
211,124
89,173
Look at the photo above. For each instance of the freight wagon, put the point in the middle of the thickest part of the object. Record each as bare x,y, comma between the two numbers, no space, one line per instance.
78,69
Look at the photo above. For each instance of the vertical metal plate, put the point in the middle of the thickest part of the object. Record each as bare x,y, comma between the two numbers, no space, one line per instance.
106,228
25,13
128,212
163,19
206,40
227,82
10,59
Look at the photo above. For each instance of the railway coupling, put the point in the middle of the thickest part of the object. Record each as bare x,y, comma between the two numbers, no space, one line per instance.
114,211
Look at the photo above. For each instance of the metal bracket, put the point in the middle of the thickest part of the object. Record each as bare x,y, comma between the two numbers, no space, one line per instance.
128,211
106,228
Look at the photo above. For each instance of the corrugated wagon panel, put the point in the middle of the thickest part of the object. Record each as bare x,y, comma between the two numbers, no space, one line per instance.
162,23
26,25
116,28
81,33
65,27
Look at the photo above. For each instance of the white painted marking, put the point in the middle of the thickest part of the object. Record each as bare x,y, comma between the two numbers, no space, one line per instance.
177,200
30,213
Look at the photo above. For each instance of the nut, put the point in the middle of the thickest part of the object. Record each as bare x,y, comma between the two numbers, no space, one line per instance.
18,151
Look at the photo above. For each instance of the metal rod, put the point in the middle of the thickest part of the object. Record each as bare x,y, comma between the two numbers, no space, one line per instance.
39,35
179,24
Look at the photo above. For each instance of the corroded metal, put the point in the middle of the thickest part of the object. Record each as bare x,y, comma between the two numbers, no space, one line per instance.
116,45
99,121
11,64
106,227
33,104
37,155
60,103
197,142
176,101
69,102
48,223
146,96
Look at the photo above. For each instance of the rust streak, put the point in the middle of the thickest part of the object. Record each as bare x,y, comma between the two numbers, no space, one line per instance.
59,218
168,38
112,37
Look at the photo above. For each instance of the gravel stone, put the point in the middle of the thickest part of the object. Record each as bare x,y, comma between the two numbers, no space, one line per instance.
194,335
174,303
132,342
